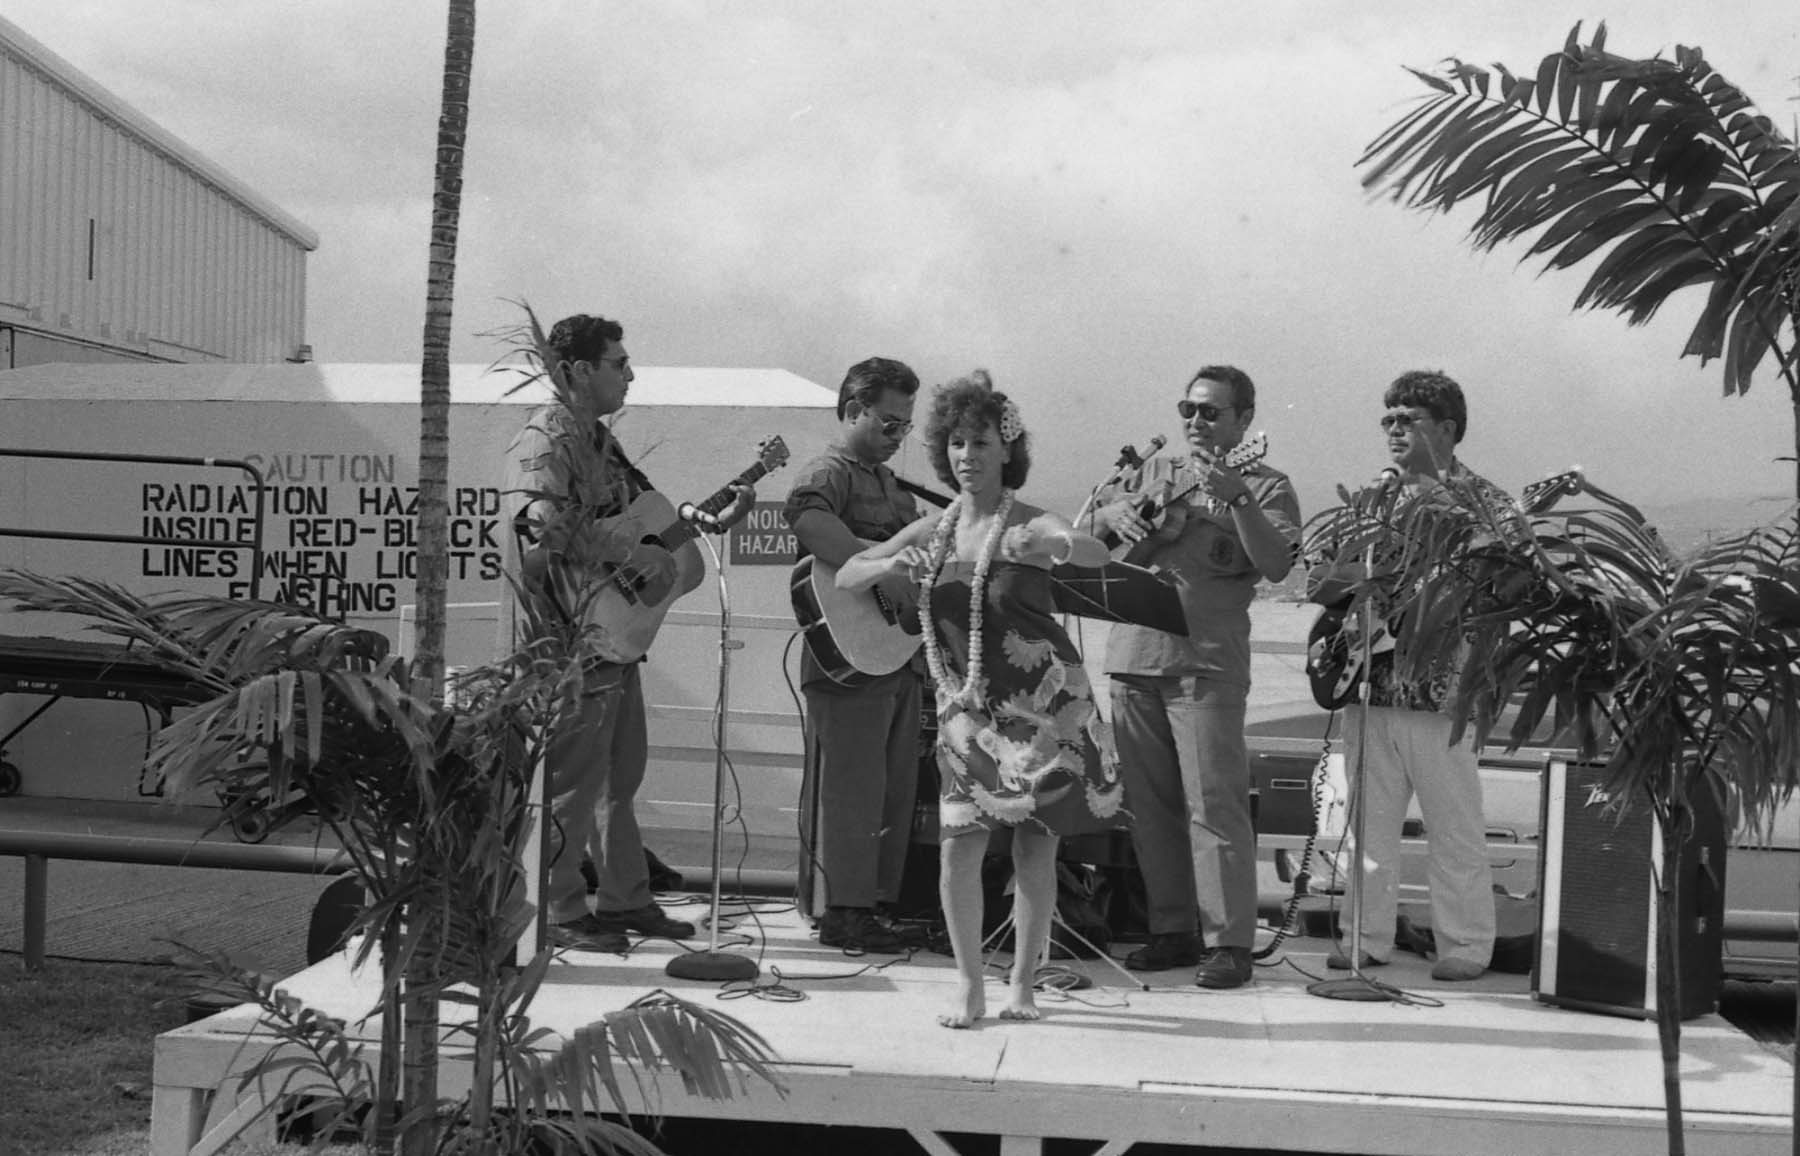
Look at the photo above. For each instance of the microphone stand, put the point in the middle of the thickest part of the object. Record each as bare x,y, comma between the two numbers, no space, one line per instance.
1356,985
713,964
1118,473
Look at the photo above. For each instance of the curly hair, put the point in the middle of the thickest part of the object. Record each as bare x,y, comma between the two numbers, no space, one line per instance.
1432,390
868,379
970,404
583,337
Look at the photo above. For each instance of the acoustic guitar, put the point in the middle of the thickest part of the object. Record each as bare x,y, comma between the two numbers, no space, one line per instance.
630,608
1335,649
1166,511
856,636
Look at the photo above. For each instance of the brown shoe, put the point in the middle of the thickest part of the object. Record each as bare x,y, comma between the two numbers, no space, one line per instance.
589,934
1166,950
856,929
646,920
1339,960
1456,970
1225,967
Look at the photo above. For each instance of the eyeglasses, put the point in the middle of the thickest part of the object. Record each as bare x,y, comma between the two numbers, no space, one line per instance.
1211,413
894,427
1403,421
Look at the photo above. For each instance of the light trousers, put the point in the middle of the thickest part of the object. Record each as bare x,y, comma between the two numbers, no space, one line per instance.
1187,783
1408,752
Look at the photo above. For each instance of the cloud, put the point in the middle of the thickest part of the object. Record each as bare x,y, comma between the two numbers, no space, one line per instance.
1089,199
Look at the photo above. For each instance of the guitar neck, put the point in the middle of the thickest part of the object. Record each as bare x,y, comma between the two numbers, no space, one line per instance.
685,531
1238,457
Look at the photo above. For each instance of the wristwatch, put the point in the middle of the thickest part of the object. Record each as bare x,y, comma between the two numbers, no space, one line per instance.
1240,501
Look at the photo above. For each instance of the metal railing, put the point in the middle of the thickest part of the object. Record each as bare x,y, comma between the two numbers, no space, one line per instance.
253,544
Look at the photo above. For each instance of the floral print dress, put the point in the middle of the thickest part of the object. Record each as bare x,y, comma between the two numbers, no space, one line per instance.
1034,748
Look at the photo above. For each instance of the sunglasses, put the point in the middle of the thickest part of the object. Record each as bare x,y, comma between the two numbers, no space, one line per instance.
894,427
1402,421
1211,413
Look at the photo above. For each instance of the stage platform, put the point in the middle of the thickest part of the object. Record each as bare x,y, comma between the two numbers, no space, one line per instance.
1477,1068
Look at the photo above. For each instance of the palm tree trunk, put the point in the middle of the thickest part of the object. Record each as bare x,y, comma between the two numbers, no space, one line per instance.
387,1073
434,383
488,1012
421,1009
1668,974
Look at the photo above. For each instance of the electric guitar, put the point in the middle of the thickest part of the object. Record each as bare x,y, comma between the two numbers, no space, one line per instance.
1167,512
856,636
630,608
1335,648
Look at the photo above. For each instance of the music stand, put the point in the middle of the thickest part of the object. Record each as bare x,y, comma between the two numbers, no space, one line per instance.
1119,592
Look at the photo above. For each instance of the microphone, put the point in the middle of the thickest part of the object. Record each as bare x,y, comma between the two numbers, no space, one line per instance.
689,512
1130,459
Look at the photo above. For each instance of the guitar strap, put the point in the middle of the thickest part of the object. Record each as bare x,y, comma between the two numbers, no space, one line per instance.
636,483
941,501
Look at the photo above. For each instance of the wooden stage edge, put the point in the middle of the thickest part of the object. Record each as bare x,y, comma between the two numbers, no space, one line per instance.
1476,1069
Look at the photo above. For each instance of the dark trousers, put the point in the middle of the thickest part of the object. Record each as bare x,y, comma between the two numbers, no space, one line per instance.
856,798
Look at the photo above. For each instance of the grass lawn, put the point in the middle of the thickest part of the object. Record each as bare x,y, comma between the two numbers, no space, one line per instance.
75,1080
78,1042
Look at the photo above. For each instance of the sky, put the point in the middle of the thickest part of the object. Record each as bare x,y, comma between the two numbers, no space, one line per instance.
1089,200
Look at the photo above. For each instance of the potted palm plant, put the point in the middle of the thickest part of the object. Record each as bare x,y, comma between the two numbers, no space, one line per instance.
1680,674
432,806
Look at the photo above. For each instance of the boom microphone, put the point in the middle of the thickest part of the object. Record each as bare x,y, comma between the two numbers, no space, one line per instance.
1128,457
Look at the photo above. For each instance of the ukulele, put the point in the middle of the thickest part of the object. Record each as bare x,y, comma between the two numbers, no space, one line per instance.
1167,512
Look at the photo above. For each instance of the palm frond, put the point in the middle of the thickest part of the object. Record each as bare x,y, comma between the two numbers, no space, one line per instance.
1671,668
1660,169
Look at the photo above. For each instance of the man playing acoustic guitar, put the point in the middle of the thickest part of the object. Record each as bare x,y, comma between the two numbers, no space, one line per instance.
1178,703
568,486
862,731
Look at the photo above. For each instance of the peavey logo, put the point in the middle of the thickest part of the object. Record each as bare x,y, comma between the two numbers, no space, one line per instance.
1597,796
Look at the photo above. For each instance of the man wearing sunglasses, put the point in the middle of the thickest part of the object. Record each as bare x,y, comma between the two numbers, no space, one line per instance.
1178,703
1401,739
862,735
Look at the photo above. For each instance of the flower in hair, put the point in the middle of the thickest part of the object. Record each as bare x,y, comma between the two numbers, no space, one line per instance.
1011,424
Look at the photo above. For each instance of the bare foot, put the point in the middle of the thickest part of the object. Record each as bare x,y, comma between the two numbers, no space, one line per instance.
1021,1006
1021,1011
970,1005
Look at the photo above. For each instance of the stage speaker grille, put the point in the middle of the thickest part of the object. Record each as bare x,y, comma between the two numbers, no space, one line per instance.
1598,916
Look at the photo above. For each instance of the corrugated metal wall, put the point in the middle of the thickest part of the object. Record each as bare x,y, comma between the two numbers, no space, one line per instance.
109,237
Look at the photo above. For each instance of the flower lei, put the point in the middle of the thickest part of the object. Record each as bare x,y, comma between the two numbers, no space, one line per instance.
939,554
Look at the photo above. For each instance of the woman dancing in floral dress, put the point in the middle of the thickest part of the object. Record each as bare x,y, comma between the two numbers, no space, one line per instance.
1020,742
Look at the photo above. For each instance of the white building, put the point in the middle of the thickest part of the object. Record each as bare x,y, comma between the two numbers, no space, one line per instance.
120,243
